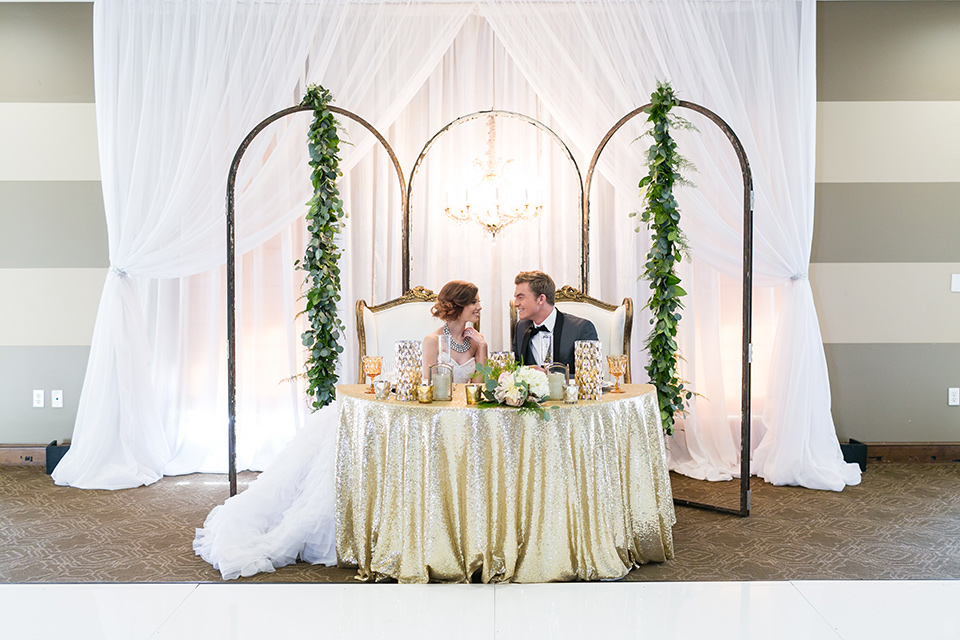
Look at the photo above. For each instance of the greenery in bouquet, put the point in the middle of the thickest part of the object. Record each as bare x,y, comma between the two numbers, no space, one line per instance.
514,386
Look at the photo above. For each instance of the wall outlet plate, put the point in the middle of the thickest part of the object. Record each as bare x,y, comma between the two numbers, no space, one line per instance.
56,399
38,398
953,396
955,282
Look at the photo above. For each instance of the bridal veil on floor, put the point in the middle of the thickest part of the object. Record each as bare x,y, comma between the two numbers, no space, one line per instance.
285,514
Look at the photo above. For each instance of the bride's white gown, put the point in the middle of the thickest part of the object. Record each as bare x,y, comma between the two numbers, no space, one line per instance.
288,511
285,514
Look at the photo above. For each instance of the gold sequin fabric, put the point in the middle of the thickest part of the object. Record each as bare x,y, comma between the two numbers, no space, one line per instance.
441,492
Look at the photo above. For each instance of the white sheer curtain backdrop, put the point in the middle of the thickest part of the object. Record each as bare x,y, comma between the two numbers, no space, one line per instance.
180,83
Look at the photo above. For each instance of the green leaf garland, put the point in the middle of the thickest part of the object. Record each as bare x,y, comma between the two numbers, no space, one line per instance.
322,255
668,244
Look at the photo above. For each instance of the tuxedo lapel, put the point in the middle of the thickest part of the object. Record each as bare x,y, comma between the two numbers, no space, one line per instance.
526,352
557,334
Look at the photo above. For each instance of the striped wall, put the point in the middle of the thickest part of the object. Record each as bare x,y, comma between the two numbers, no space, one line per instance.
887,225
887,233
53,242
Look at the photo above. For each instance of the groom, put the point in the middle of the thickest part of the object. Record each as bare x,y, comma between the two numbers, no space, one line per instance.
534,300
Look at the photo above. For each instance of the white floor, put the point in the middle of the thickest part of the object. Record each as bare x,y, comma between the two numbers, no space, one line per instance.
708,610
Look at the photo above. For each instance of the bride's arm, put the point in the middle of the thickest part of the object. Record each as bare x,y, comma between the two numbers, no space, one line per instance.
477,338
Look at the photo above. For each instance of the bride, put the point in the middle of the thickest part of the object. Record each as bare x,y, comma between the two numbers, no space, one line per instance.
459,307
287,513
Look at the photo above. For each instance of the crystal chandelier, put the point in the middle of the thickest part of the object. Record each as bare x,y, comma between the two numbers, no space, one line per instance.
495,201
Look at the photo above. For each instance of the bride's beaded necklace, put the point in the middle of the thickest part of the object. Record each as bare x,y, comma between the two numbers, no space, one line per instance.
459,347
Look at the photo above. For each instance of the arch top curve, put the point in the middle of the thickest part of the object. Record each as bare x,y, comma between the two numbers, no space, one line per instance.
231,261
453,124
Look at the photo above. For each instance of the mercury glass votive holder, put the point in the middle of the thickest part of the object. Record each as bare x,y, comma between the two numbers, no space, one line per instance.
472,392
425,393
408,358
382,389
588,362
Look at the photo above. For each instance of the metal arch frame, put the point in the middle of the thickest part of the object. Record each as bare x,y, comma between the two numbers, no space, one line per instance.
584,202
584,250
231,263
747,282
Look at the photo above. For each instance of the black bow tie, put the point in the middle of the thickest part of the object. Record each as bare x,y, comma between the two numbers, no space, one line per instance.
534,330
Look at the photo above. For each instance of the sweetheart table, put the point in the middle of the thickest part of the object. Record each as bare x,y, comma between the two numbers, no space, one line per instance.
449,492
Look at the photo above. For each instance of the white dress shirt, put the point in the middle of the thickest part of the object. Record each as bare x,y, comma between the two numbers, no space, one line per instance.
538,341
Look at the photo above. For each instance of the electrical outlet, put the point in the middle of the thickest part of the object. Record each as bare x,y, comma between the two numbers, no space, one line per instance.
38,398
953,396
56,399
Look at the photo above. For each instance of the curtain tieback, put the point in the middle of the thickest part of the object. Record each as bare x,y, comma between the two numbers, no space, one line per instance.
798,276
120,273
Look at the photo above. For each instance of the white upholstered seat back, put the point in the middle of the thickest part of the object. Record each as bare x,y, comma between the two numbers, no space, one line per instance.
382,329
609,324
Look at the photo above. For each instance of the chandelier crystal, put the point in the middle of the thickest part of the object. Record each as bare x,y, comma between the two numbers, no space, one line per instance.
495,201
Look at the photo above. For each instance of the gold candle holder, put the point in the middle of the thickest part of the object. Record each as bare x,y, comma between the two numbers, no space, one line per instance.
425,393
588,363
408,362
472,392
500,358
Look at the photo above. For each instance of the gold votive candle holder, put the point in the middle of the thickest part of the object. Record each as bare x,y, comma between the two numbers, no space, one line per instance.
571,393
588,363
425,393
472,392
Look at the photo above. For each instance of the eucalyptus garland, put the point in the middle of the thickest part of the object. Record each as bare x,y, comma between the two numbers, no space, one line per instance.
668,244
322,255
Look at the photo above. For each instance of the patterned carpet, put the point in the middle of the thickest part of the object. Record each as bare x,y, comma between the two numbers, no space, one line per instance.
902,522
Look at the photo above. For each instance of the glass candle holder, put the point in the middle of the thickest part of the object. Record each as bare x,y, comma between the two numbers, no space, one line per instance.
472,392
441,377
571,393
558,376
588,364
425,393
409,368
382,389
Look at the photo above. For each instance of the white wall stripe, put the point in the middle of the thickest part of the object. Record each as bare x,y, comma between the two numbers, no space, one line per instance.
48,141
888,142
49,307
860,302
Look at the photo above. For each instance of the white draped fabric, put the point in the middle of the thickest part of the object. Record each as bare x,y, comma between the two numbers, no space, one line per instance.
179,84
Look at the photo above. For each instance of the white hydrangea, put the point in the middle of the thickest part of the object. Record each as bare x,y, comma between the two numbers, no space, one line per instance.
536,380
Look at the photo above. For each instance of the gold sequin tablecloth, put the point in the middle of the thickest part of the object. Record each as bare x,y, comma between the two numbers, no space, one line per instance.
439,492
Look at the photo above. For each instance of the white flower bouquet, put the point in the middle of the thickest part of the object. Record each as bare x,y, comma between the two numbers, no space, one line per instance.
515,386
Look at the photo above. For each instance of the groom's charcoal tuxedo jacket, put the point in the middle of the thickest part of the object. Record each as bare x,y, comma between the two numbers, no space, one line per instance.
567,330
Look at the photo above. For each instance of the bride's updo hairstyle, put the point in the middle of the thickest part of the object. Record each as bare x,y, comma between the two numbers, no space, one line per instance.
453,297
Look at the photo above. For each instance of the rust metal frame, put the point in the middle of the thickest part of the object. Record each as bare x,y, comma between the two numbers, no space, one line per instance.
231,264
747,291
